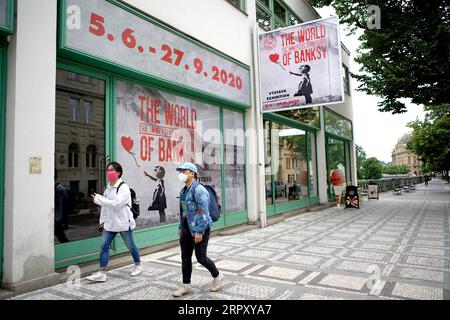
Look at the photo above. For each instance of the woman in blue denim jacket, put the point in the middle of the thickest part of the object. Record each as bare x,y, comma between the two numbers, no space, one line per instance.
194,229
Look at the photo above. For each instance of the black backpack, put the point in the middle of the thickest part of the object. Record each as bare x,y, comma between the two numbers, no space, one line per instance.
134,202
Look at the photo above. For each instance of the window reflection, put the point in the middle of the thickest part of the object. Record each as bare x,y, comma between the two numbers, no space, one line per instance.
268,163
291,168
79,146
338,157
234,161
263,18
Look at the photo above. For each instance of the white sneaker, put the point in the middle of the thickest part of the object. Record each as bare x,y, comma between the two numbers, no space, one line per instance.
217,283
97,277
182,291
136,271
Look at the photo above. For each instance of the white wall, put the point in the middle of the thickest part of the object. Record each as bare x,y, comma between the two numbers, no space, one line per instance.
28,243
214,22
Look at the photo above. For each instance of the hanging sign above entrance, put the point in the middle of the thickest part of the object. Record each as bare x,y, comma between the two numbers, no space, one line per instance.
130,42
300,66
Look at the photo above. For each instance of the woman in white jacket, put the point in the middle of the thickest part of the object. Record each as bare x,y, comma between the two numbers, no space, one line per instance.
115,217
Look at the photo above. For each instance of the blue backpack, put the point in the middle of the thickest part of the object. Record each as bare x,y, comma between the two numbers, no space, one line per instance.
214,207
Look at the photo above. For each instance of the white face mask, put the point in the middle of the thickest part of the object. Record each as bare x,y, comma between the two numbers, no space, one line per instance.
182,177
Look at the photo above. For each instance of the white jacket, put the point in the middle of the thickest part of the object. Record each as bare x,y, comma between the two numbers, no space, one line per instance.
116,214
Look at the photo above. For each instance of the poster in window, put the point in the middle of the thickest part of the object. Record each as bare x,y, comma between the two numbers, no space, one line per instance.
155,133
300,66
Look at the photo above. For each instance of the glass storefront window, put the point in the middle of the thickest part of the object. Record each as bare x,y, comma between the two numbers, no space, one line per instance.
310,116
290,183
156,131
338,125
338,157
234,138
312,159
76,216
268,163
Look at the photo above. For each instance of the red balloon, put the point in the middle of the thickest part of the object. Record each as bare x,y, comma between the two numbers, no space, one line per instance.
274,57
127,143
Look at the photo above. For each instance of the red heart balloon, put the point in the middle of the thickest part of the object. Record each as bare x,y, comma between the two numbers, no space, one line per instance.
274,57
127,143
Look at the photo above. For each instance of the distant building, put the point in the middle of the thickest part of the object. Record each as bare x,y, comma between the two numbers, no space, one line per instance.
401,155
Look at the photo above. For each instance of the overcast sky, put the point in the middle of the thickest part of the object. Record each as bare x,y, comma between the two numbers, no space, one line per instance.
377,132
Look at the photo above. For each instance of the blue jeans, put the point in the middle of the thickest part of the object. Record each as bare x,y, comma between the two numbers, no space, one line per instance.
108,237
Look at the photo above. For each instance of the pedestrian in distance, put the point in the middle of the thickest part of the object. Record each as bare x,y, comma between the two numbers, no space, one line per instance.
62,208
194,229
115,217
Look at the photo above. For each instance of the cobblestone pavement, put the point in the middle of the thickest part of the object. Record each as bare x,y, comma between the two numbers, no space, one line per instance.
397,247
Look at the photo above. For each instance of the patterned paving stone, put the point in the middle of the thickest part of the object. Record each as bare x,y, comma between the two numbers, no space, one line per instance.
275,245
332,242
240,241
256,253
217,248
429,243
357,266
369,255
383,239
312,296
421,274
377,246
143,294
303,259
347,282
319,250
255,291
231,265
431,236
428,251
343,235
431,262
295,239
411,291
282,273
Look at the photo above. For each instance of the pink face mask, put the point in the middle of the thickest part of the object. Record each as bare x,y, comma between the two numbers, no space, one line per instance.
112,175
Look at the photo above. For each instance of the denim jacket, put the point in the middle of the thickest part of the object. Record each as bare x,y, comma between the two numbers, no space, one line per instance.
197,210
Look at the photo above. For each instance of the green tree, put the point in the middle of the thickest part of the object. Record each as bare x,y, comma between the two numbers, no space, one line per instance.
431,138
395,169
372,169
407,57
360,158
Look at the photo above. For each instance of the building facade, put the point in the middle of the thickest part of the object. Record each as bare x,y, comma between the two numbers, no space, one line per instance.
148,84
402,156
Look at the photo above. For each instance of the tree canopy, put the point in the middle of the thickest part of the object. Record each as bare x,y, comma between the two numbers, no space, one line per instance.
372,168
407,57
360,158
431,138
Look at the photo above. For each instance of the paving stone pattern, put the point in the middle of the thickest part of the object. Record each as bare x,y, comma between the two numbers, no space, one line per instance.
397,247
